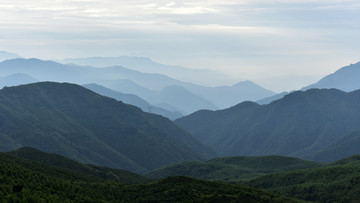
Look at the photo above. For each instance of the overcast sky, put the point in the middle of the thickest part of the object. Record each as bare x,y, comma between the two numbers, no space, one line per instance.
279,44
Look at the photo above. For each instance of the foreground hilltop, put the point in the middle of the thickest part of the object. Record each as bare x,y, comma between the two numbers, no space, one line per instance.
70,120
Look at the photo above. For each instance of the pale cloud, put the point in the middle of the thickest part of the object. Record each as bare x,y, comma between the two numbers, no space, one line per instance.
233,36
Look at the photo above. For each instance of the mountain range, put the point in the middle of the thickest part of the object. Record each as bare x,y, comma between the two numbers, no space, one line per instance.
345,79
146,65
75,122
144,85
132,100
301,124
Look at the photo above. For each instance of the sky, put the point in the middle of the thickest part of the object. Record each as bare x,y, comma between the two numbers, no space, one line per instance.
280,44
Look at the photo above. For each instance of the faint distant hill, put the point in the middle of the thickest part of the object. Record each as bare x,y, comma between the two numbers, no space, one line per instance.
138,83
16,79
270,99
227,96
7,55
181,98
133,100
146,65
346,79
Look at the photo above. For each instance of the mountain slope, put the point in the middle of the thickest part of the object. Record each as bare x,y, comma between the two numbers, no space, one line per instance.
133,100
233,169
347,145
69,166
338,182
77,123
346,79
301,124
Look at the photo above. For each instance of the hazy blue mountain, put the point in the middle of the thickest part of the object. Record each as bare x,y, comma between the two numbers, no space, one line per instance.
346,146
181,98
141,84
77,123
227,96
268,100
133,100
300,124
146,65
16,79
7,55
346,79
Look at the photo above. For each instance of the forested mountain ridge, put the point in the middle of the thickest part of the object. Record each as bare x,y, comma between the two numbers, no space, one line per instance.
75,122
300,124
23,180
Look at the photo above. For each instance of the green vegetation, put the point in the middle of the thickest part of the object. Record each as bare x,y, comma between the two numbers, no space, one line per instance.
336,182
301,125
67,165
233,169
77,123
22,180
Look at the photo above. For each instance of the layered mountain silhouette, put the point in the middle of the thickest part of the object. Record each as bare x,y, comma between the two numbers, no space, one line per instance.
181,98
129,81
346,79
301,124
75,122
146,65
133,100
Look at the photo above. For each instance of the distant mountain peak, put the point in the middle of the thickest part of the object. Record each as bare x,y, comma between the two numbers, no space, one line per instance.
346,79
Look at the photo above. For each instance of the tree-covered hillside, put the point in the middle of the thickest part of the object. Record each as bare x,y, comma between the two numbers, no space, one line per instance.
23,180
336,182
233,169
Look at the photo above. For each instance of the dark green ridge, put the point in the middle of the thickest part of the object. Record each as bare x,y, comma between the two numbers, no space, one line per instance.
233,169
336,182
63,163
22,180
